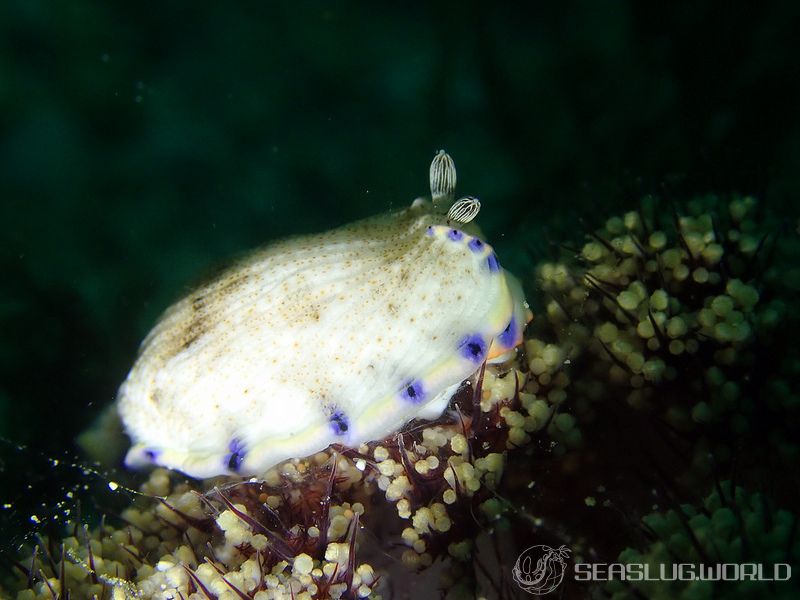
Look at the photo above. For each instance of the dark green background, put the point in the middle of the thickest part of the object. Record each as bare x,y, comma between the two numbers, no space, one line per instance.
143,143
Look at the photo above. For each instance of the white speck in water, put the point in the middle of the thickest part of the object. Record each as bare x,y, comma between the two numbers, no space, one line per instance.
113,486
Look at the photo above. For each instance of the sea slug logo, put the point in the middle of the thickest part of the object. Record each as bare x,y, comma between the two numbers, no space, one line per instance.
540,569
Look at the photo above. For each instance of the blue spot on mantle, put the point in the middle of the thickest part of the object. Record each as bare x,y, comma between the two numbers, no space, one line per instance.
339,422
455,235
473,347
491,260
236,457
509,335
475,245
413,392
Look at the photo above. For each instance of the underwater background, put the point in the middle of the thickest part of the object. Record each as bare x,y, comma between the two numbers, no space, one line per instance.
141,147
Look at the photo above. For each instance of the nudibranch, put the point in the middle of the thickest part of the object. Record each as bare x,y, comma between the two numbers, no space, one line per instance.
341,337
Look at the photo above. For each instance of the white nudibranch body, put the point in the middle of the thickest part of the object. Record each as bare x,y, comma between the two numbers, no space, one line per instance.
339,337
